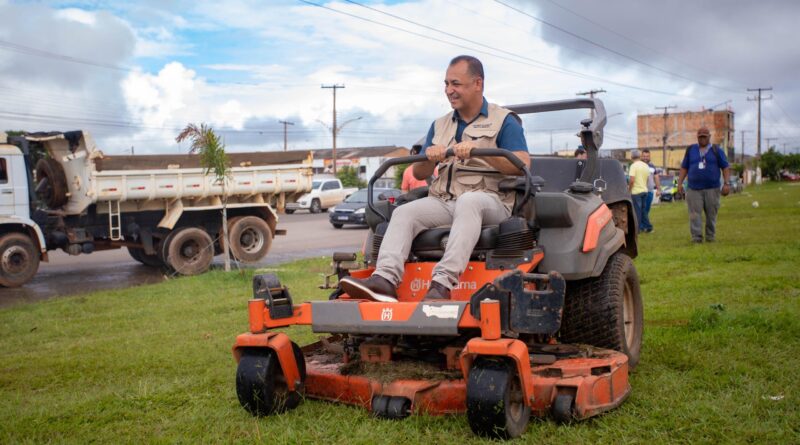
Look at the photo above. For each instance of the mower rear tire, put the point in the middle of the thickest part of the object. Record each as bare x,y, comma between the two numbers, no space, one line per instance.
606,311
495,403
260,384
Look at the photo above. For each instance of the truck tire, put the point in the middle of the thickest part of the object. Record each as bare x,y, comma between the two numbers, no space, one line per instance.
187,251
251,239
606,311
19,259
289,211
316,207
219,247
51,187
137,253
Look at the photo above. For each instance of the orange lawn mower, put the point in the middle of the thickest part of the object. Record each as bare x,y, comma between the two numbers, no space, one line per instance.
546,320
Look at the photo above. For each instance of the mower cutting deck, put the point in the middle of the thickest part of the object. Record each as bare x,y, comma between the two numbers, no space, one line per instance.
546,319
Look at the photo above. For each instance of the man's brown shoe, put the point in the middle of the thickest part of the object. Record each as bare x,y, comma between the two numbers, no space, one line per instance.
437,292
374,288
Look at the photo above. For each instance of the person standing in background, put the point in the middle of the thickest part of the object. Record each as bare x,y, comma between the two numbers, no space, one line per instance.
637,184
653,189
702,164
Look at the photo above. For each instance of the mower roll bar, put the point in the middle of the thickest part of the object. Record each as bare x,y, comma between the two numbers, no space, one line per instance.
477,152
591,133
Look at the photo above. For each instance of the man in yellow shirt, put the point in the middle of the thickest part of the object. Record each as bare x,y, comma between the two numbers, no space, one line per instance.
637,184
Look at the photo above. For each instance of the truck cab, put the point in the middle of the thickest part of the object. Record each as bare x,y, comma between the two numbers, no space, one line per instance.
14,199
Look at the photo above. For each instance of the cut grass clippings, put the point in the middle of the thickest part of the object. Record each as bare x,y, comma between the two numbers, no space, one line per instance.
153,363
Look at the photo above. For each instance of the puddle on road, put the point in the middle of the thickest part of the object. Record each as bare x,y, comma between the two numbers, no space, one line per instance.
62,283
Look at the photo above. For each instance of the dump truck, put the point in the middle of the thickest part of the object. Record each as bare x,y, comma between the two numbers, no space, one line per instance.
59,191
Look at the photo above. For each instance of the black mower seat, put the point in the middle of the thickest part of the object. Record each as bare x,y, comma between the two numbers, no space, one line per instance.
430,244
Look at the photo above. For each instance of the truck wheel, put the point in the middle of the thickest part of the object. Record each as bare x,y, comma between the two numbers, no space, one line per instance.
219,247
337,225
316,207
606,311
52,186
19,259
251,239
188,251
289,211
138,254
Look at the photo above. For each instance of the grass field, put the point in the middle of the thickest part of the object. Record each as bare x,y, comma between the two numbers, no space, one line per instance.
720,362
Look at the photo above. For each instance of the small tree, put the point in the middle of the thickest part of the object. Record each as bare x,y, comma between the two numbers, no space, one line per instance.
211,149
349,177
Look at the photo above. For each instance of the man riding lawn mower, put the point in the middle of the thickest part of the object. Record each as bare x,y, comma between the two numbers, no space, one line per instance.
545,319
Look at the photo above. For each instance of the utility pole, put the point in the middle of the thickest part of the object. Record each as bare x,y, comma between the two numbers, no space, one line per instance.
551,142
770,139
664,138
285,138
784,148
759,98
334,87
591,94
742,153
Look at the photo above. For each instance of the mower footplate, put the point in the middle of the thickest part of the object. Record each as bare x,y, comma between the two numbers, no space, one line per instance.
568,388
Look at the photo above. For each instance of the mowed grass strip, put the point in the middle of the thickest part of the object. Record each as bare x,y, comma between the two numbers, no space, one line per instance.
153,363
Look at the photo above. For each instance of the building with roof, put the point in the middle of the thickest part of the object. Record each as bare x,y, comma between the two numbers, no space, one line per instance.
366,159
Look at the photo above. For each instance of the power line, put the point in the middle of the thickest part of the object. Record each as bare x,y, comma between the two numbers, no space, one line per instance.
533,62
629,39
285,136
579,37
15,47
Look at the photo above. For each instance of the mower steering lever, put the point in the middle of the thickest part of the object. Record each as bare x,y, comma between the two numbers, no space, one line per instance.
477,152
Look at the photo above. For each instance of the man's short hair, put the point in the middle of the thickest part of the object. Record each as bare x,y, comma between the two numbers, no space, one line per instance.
645,150
415,149
635,154
474,66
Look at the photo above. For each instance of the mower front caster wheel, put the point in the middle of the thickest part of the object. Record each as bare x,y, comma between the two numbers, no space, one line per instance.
564,408
495,403
260,384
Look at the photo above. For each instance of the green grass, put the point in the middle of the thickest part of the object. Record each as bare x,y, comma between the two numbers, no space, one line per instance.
153,364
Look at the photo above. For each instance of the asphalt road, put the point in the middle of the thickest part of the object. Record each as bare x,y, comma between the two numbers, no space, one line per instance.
307,236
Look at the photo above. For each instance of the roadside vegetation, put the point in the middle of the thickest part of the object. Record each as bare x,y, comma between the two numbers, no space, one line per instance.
153,363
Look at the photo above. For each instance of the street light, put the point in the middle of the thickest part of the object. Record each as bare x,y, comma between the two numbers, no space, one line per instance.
335,132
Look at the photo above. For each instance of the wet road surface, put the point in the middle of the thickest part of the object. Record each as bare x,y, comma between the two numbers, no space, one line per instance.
308,236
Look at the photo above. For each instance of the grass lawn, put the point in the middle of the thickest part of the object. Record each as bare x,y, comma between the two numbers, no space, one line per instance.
720,361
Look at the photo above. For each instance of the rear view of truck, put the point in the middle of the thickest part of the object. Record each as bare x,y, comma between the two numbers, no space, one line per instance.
68,195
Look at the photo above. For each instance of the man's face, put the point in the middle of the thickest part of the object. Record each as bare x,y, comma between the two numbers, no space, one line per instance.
645,157
461,88
702,139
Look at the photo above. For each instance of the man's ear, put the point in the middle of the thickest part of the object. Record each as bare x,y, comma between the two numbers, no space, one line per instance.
479,83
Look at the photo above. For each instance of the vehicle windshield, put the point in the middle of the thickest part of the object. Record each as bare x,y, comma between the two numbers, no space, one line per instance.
667,180
315,184
359,196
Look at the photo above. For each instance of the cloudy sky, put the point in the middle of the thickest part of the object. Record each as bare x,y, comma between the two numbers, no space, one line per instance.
134,73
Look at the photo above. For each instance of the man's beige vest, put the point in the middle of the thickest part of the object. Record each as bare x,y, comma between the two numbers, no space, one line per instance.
457,177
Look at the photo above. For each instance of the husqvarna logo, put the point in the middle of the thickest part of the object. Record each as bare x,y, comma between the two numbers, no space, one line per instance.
386,314
417,284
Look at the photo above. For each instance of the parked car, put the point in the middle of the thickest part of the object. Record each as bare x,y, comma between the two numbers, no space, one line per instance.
353,209
669,189
736,185
324,194
789,176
